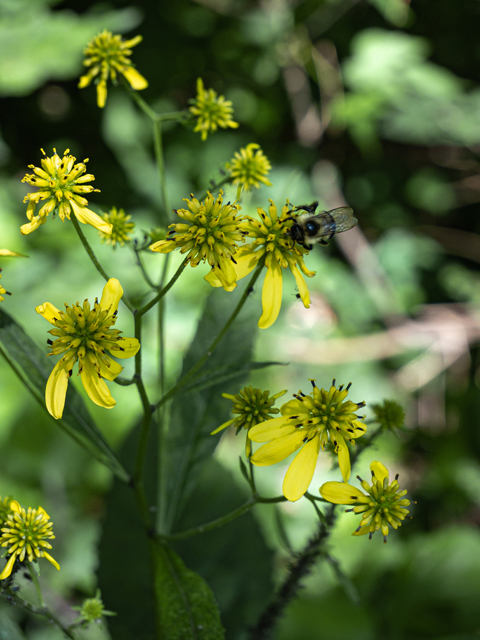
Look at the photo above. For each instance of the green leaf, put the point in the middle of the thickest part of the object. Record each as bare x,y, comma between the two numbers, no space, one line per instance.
196,415
234,559
32,366
185,606
125,564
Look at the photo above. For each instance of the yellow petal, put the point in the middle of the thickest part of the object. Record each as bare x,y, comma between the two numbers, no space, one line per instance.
300,472
56,390
379,470
271,296
164,246
111,372
245,265
214,280
101,93
135,79
8,253
85,216
15,506
96,388
340,492
25,229
271,429
223,426
112,292
8,567
343,457
50,559
129,347
48,311
302,286
362,531
292,408
278,449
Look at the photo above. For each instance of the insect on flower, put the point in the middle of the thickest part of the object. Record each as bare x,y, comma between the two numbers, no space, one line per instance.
310,228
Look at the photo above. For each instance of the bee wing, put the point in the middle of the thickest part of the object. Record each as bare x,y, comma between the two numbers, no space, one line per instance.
344,218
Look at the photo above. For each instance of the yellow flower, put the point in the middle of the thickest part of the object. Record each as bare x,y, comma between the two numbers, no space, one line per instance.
210,233
249,167
3,291
211,111
108,55
273,244
252,406
26,532
84,334
381,507
61,182
308,423
121,227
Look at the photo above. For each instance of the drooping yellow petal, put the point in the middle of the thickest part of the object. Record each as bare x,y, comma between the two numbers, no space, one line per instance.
56,390
7,253
271,295
111,372
301,285
300,472
8,567
129,347
101,93
340,492
244,265
85,216
343,457
50,559
96,388
380,470
271,429
278,449
292,408
112,292
165,246
48,311
36,221
135,79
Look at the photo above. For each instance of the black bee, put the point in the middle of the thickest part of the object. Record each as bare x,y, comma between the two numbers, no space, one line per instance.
310,228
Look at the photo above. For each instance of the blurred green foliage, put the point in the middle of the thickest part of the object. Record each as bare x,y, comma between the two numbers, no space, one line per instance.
373,103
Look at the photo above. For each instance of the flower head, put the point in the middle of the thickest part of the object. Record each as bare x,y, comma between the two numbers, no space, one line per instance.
211,110
210,232
310,423
251,406
121,227
92,609
3,291
83,334
249,167
60,183
390,415
106,56
25,532
272,244
382,506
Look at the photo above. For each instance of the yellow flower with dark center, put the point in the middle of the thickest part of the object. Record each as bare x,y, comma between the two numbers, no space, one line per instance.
251,406
121,227
210,233
249,167
309,423
25,532
381,507
107,56
84,335
211,110
60,182
2,290
273,244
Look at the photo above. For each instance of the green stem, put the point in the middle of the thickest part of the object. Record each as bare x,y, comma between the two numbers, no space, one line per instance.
145,275
158,144
222,521
93,257
42,610
160,295
214,344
